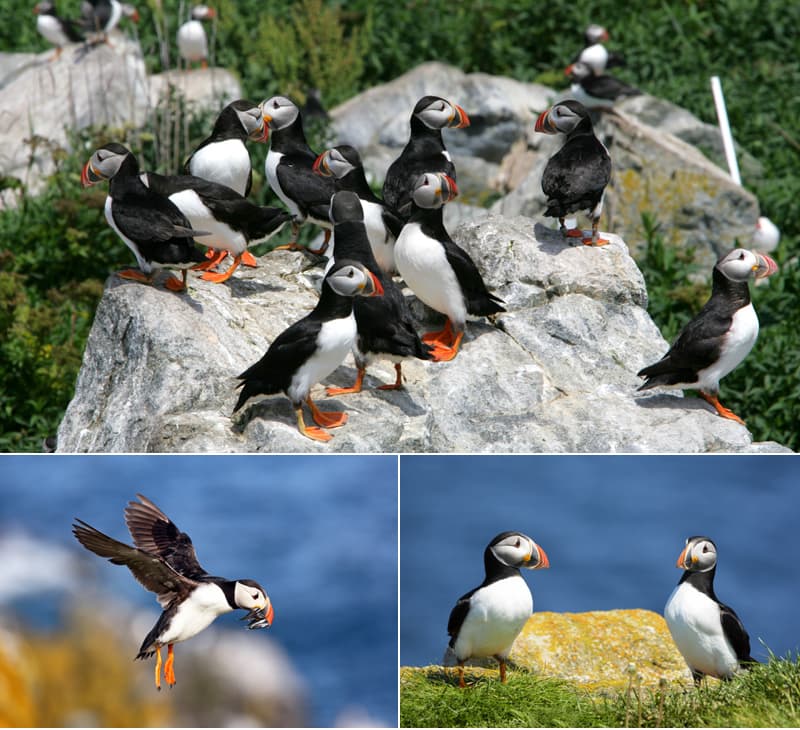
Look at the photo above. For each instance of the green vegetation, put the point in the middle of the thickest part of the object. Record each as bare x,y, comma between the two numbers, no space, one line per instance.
766,696
53,264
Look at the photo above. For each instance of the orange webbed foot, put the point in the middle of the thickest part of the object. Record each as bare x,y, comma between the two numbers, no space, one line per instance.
312,432
218,278
249,260
398,381
573,233
720,409
135,275
354,388
169,667
589,241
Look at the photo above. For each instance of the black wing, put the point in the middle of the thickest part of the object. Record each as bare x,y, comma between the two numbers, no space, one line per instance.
385,324
457,616
150,570
393,222
735,633
480,301
608,87
310,191
155,533
577,174
153,219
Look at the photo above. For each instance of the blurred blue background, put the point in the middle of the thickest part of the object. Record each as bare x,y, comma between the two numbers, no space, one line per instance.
320,534
613,528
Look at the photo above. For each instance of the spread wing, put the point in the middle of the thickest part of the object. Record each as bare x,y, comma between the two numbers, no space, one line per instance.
150,570
155,533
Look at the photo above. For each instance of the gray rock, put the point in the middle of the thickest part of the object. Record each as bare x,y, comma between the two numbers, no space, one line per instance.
205,89
556,373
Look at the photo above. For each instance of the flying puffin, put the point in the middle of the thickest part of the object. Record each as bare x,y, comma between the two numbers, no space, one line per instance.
424,152
437,269
164,562
383,224
719,337
576,176
487,620
313,347
708,633
594,54
384,324
56,30
191,36
596,90
230,221
290,168
150,225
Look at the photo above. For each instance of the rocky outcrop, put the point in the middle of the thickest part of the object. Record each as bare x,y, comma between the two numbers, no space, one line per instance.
555,373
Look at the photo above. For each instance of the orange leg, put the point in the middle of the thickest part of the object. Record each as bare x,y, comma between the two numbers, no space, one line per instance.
292,245
175,284
325,241
326,419
225,275
442,353
214,258
355,388
249,260
158,667
312,432
722,410
502,669
444,337
398,381
135,275
461,682
594,240
169,669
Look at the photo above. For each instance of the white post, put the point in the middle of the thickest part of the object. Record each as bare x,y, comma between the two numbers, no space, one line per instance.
725,130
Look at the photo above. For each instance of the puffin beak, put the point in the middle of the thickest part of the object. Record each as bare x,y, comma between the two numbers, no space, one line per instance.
567,72
681,562
373,287
260,617
135,16
544,561
211,13
267,120
449,188
89,176
544,125
321,165
460,118
261,134
766,266
605,36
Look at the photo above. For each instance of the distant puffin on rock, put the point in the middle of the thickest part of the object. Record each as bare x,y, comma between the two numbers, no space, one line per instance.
597,90
55,29
719,337
191,36
594,53
576,176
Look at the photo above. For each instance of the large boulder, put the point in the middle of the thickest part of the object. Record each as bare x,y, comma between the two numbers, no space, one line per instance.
555,373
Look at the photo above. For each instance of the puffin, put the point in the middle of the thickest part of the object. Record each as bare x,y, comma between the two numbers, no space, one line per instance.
766,235
719,337
594,53
58,31
289,168
102,16
439,271
312,348
382,223
424,152
596,90
163,560
385,327
576,176
191,36
231,221
486,621
159,235
709,634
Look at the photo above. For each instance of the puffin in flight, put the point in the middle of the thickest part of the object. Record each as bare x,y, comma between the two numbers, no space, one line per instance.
437,269
719,337
486,621
576,176
424,152
164,561
708,633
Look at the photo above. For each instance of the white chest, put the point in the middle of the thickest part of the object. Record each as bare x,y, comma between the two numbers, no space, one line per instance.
226,162
334,341
737,345
196,613
422,263
192,42
220,234
271,171
381,240
497,613
50,28
694,622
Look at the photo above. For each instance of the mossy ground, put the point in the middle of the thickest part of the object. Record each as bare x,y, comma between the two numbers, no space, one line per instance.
766,696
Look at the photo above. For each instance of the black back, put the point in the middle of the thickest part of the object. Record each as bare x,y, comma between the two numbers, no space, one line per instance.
95,14
68,26
607,87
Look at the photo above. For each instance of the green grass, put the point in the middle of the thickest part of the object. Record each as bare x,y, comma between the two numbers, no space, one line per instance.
766,696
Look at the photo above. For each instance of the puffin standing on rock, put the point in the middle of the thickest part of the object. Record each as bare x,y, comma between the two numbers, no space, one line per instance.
58,31
594,54
313,348
721,335
708,633
385,325
575,178
164,562
437,269
159,235
487,620
191,36
595,90
424,152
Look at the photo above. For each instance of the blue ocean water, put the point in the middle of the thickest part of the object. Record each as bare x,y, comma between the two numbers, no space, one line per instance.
613,528
320,533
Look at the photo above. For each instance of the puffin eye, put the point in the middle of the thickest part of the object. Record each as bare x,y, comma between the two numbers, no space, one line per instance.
705,548
254,596
517,543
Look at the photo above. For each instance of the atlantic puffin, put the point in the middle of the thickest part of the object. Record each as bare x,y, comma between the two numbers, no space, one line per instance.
312,348
486,621
164,561
385,327
289,168
576,176
382,223
594,53
159,235
597,90
708,633
438,270
719,337
424,152
191,36
766,235
58,31
100,17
